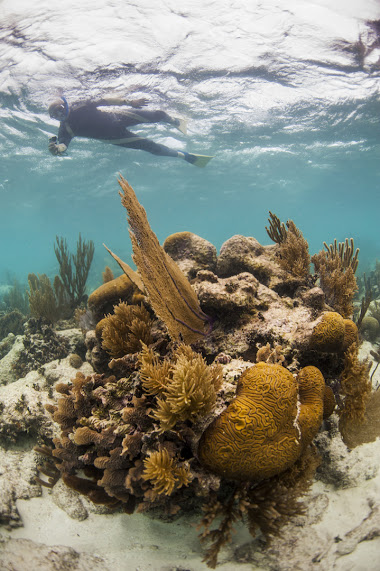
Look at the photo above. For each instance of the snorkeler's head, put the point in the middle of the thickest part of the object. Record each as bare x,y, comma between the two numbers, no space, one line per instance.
59,109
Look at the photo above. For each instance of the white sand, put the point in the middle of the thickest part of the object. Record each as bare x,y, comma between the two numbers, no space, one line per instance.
138,543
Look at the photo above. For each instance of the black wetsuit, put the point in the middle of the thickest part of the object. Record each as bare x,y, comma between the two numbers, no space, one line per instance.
86,120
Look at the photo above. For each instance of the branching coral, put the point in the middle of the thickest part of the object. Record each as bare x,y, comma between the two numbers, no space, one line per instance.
228,512
125,330
267,506
165,472
16,298
276,231
107,275
293,250
266,354
74,269
170,294
186,386
355,388
45,300
336,268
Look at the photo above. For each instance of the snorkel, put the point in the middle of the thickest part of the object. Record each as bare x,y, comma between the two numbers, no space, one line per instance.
67,110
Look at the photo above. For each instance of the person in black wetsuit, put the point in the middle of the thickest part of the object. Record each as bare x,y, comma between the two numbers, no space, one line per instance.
85,119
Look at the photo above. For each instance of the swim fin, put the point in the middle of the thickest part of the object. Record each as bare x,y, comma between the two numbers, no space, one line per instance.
182,126
198,160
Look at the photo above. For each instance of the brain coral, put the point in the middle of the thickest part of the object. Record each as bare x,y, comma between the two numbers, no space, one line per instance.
311,394
351,334
102,300
328,334
264,429
370,327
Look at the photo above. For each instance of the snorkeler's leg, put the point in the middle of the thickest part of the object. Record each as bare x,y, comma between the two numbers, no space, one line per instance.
136,117
148,146
157,149
197,160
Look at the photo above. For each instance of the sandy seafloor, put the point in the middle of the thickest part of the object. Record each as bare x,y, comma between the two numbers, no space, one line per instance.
137,543
62,530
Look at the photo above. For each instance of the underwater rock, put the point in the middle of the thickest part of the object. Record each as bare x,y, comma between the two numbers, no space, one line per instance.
191,252
11,322
6,344
240,254
8,372
342,467
23,413
17,472
314,298
69,501
75,341
229,297
247,313
41,344
25,554
96,355
75,360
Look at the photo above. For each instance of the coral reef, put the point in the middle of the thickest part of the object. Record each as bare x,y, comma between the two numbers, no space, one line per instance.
357,433
165,473
370,328
174,414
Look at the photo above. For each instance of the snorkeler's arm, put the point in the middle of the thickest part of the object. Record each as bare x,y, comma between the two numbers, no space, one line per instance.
64,138
112,100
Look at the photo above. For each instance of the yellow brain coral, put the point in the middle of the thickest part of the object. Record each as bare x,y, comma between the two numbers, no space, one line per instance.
108,294
328,334
266,427
351,334
311,395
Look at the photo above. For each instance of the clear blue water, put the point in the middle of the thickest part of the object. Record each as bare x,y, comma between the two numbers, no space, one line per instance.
279,96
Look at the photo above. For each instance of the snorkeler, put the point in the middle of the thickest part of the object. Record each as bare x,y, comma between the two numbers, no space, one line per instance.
84,119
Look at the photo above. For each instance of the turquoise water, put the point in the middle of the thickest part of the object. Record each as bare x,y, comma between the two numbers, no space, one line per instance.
288,109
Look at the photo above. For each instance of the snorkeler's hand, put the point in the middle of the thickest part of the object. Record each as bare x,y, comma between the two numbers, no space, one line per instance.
55,149
137,103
